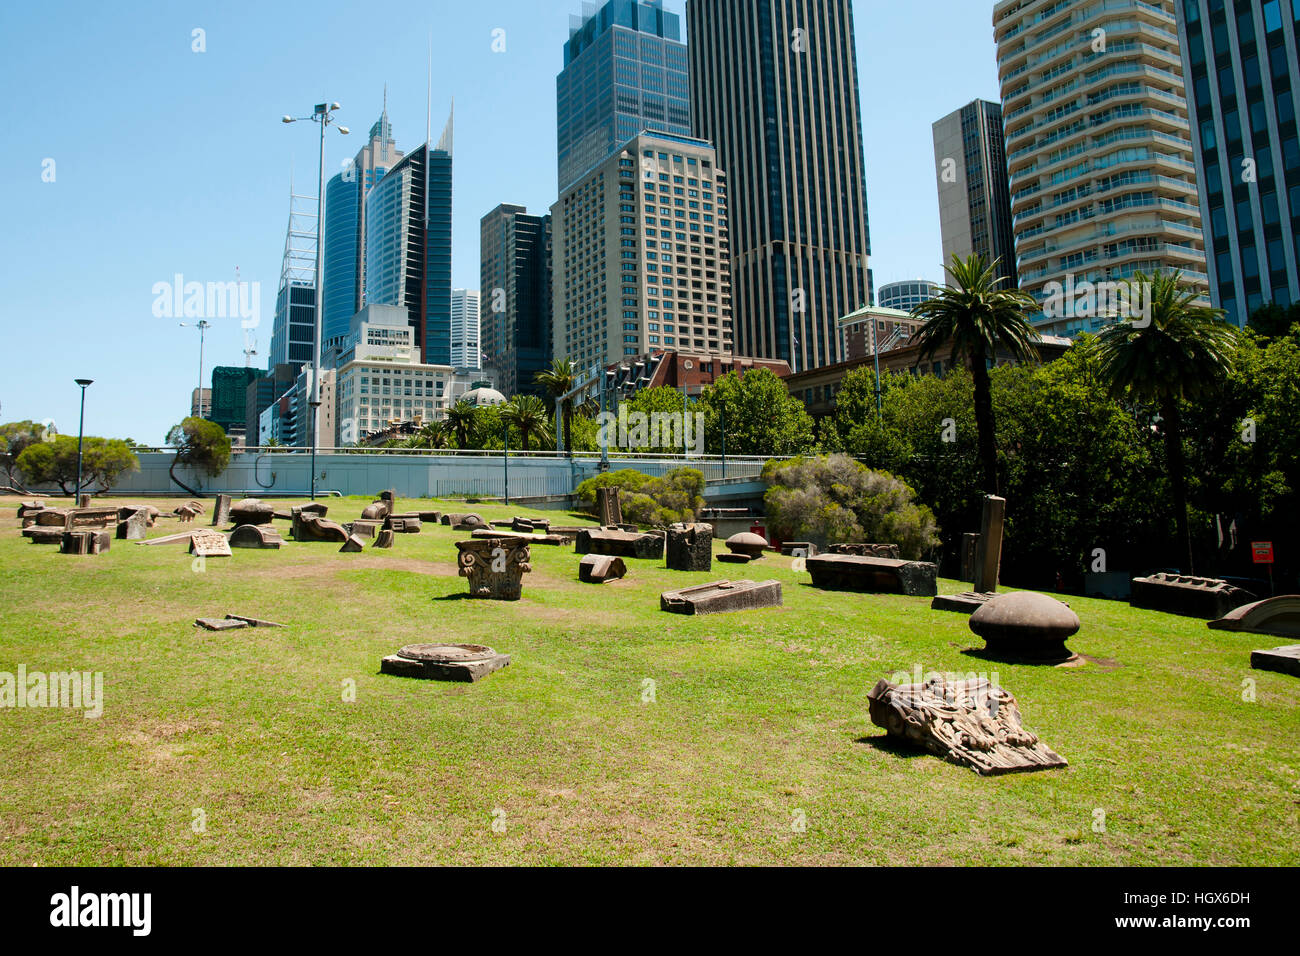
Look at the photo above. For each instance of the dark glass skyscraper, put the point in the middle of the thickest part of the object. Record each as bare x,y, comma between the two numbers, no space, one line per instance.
408,244
624,71
515,295
774,86
1240,61
974,192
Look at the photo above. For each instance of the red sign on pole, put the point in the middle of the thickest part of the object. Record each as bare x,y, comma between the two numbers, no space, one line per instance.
1262,552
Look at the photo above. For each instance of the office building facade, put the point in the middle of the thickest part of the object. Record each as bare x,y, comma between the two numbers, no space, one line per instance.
408,244
345,230
465,347
1099,151
974,199
625,70
641,260
1241,75
515,290
774,87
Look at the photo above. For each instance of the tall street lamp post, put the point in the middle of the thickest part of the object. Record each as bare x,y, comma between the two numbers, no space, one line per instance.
202,325
81,434
324,115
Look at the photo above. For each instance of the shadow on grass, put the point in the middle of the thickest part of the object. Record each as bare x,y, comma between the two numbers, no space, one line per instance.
887,744
458,596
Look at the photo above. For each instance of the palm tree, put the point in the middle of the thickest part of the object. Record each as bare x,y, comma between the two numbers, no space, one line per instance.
559,380
1179,350
460,418
430,435
977,318
528,414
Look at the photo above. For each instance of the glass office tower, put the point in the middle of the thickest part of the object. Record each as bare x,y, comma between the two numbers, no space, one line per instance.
1240,58
345,230
774,87
624,71
515,284
408,244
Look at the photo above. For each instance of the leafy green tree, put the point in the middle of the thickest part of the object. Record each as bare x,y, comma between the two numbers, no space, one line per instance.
200,444
15,438
104,460
834,498
1272,320
558,380
527,415
761,416
646,500
973,318
1183,352
460,419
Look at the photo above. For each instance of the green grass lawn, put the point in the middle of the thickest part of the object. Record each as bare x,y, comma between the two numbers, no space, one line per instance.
759,721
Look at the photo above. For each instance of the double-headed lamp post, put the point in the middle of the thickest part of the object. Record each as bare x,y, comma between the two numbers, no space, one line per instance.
324,115
81,434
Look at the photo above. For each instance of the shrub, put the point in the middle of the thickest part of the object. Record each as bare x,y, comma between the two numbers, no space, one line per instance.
656,502
834,499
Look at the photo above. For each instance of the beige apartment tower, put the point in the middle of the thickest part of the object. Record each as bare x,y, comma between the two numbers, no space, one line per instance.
640,261
1099,151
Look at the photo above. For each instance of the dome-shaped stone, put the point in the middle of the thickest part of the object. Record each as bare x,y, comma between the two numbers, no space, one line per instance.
746,542
483,395
1026,625
251,511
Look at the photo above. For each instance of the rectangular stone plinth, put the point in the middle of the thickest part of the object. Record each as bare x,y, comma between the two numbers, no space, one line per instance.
464,672
623,544
551,539
847,572
85,542
1284,660
81,519
39,535
689,547
968,602
1185,594
719,597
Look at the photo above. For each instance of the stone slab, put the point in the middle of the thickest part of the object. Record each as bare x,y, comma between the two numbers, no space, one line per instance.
1284,660
220,623
849,572
718,597
39,535
967,602
464,663
206,543
599,568
622,544
252,621
221,511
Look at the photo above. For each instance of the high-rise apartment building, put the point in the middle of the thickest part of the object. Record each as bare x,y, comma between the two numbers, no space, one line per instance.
906,295
408,244
515,289
641,258
345,229
624,71
974,200
1099,154
1242,77
465,352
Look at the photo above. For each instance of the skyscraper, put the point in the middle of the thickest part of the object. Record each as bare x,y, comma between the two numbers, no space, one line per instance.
1242,74
624,71
1102,177
641,260
408,244
515,286
465,351
774,87
974,199
293,331
345,229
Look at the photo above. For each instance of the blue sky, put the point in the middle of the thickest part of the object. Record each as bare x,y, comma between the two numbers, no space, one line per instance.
171,161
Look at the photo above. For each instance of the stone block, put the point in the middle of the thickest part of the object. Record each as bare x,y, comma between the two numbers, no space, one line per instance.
354,545
255,536
221,511
206,543
383,538
450,662
135,527
1284,660
311,527
251,511
599,568
720,597
85,542
1188,595
850,572
622,544
43,535
402,525
689,547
